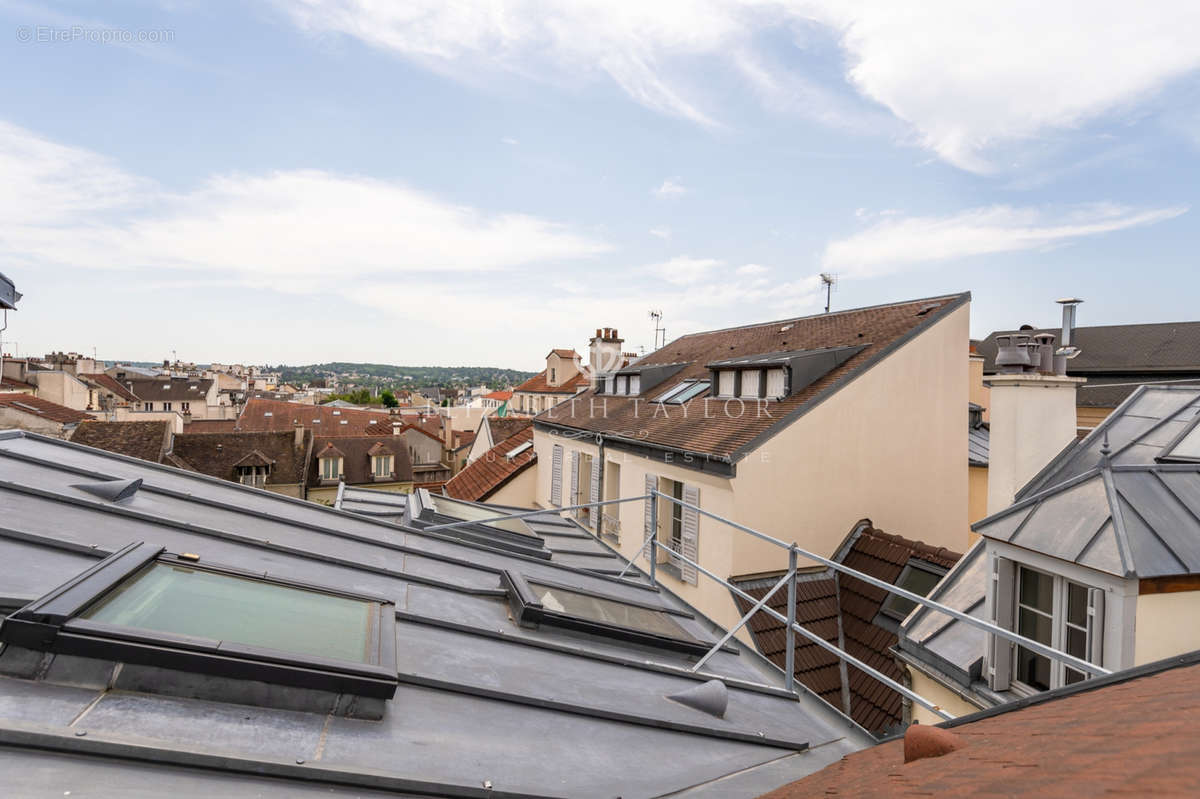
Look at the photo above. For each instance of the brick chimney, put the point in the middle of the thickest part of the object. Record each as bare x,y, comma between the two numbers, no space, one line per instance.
604,351
1032,413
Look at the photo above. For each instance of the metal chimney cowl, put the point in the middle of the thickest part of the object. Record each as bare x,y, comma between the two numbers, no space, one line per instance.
1012,355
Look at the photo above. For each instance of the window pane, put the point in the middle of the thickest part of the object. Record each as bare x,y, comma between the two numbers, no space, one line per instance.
691,391
176,599
1077,601
914,579
750,382
775,382
1032,624
1037,590
1077,642
725,383
1070,676
608,611
1033,669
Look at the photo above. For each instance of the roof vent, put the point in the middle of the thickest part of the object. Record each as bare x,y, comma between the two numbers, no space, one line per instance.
711,697
112,490
922,741
1012,354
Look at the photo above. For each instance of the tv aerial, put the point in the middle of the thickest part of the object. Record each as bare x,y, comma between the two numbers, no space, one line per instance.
828,280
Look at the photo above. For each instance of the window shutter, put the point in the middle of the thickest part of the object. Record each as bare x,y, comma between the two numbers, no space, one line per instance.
725,383
574,481
635,384
594,494
690,544
556,476
651,485
750,381
1096,626
1000,597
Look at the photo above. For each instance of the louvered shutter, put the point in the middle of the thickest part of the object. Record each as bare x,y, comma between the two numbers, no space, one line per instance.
1000,598
574,482
689,546
1096,626
556,476
595,493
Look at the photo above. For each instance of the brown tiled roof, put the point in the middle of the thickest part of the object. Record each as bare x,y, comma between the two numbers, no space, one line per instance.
724,435
110,383
177,389
463,438
356,453
499,395
1130,735
210,426
493,469
323,420
216,454
507,427
16,385
146,440
872,552
329,451
42,408
540,384
564,353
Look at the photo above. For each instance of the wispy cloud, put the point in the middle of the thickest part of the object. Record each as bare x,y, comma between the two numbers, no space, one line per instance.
1034,66
509,140
661,232
670,189
684,270
307,229
897,242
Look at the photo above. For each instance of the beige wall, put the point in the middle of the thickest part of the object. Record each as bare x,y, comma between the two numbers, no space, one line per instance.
423,449
1088,417
1032,419
519,491
856,455
929,688
11,419
289,490
127,414
977,499
62,388
1165,625
564,369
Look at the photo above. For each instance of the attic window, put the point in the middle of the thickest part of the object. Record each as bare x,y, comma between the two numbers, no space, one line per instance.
141,605
515,451
537,602
1186,446
917,576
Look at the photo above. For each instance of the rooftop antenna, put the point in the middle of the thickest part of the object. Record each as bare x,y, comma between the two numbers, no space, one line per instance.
828,280
657,316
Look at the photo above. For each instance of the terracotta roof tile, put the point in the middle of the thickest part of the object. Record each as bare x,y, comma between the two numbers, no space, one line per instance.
42,409
540,384
261,415
873,552
1129,735
723,435
493,469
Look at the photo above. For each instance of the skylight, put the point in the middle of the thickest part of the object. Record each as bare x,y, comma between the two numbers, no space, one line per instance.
919,577
1186,447
515,451
141,605
537,602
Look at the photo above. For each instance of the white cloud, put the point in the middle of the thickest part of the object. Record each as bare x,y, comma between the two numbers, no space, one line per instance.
300,230
967,77
660,232
684,270
509,140
751,270
894,243
670,189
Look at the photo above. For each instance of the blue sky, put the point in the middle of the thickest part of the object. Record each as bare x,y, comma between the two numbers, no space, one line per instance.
441,182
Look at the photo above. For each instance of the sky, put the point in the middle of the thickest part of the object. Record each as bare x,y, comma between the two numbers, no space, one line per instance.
441,182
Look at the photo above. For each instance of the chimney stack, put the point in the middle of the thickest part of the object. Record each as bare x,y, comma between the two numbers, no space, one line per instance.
1032,414
604,352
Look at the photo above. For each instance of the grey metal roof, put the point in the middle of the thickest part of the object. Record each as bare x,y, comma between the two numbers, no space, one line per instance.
533,712
951,646
1158,347
978,444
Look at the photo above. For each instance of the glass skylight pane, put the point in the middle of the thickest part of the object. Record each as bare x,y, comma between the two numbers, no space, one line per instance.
691,391
175,599
607,611
670,393
473,513
914,579
1189,445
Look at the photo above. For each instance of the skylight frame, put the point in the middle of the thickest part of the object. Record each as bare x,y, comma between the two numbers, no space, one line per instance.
54,623
1167,454
886,608
529,611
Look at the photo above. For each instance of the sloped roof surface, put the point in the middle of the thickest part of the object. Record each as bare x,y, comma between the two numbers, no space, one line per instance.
1163,346
173,389
110,383
1130,735
531,712
507,427
264,414
218,454
145,440
491,470
42,408
872,704
356,453
540,384
726,435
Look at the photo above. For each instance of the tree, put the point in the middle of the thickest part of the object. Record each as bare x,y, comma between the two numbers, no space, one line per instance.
389,399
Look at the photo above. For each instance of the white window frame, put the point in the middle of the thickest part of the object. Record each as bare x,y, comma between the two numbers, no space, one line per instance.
331,468
382,462
1059,625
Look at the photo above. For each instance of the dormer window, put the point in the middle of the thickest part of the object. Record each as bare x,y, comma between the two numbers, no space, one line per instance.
725,383
331,468
253,475
382,465
751,383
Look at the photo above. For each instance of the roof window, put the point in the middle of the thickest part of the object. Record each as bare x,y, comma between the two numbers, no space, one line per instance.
515,451
683,392
143,606
1186,446
917,576
536,602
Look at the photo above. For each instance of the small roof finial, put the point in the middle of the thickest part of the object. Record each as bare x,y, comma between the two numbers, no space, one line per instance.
1105,450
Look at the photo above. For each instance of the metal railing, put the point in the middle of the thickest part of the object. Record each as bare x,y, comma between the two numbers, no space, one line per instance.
651,547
